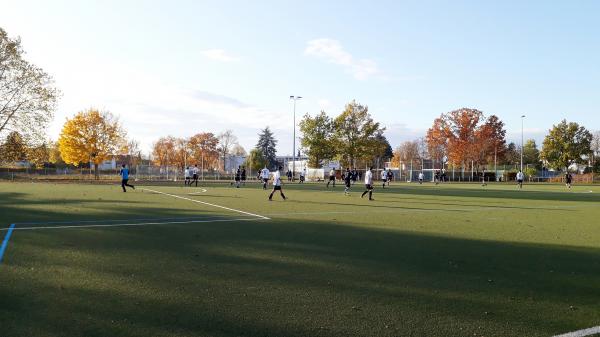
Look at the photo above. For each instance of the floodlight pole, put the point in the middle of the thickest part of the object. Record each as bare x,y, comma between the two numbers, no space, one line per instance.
295,98
522,141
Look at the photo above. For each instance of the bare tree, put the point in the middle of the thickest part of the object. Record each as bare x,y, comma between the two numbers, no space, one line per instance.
134,153
226,141
27,94
238,150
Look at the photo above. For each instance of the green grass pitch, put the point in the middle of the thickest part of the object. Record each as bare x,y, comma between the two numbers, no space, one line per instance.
448,260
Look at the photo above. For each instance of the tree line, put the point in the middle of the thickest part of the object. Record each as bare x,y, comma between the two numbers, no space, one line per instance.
464,139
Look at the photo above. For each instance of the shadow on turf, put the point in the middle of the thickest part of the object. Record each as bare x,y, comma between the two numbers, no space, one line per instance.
16,208
474,192
374,205
298,278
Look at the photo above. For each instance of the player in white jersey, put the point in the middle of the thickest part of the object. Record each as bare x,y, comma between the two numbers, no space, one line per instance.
264,176
194,175
187,175
383,177
520,178
331,177
421,177
277,184
368,184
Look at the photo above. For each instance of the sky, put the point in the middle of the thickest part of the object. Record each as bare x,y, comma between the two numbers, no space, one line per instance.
183,67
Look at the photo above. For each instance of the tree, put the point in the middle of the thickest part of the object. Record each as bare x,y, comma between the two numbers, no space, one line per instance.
163,151
531,154
383,149
238,150
134,154
90,136
595,147
354,133
317,134
38,155
466,136
14,148
54,156
437,140
512,154
181,153
27,94
491,138
566,144
256,160
407,153
204,148
226,140
266,144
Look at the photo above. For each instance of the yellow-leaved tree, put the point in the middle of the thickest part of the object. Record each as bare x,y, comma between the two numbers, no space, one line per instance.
91,136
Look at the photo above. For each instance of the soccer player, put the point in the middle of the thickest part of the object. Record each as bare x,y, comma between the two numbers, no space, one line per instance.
237,177
347,181
390,176
302,175
194,175
354,175
436,178
331,177
243,175
264,174
421,177
568,179
368,184
124,173
277,184
383,177
520,178
186,174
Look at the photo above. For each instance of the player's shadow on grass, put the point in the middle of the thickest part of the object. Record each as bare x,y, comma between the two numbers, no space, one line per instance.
294,278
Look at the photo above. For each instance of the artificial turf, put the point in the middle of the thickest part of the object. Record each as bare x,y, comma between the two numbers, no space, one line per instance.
447,260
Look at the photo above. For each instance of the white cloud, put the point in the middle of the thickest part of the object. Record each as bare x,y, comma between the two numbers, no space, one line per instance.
332,51
219,55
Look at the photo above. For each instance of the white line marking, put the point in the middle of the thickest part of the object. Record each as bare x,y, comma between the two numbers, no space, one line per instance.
203,190
312,213
582,333
133,224
209,204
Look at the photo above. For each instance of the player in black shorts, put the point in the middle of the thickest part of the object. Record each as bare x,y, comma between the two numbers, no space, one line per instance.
568,180
347,181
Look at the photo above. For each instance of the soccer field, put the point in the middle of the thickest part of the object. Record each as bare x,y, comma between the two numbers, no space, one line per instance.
448,260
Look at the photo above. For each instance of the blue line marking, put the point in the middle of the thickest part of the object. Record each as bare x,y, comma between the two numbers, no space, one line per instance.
5,242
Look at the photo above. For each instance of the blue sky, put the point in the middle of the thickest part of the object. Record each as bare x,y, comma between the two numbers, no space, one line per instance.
181,67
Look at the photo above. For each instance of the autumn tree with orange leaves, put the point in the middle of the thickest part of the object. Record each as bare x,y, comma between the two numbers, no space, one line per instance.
204,150
466,137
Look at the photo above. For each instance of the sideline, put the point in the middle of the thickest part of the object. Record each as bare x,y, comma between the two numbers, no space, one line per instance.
5,242
135,224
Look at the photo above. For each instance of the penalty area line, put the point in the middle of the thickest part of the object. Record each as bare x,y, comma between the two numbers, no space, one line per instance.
136,224
207,203
582,333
